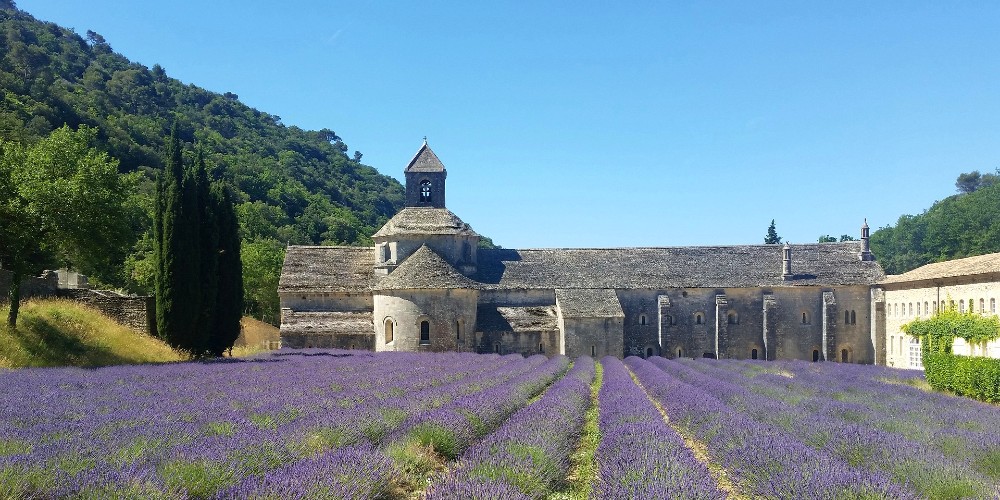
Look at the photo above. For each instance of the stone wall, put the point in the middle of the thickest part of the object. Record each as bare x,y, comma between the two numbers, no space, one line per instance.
526,343
329,301
450,315
135,312
41,286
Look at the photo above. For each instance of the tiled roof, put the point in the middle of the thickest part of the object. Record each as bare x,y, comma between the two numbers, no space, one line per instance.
424,161
327,269
424,270
969,266
825,264
669,267
424,220
588,303
516,319
324,322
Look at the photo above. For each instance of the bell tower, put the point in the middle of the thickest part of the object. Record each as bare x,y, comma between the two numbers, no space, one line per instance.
425,176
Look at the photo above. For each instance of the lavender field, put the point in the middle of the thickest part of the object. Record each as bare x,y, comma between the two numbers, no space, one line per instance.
344,424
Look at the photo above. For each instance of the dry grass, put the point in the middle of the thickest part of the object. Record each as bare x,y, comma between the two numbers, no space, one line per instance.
54,332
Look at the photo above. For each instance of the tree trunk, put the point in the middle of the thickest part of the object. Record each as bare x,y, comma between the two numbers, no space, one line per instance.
14,294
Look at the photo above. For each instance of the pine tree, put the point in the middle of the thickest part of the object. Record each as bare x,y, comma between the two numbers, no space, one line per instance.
772,237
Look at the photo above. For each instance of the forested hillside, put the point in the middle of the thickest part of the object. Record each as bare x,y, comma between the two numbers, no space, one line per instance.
293,186
962,225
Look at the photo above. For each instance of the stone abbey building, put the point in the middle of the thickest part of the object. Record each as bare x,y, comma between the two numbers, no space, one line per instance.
427,286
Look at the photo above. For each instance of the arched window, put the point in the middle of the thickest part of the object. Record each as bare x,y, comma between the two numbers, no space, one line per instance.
847,317
753,354
496,347
642,319
935,307
649,352
916,358
982,305
541,348
388,330
425,191
805,318
892,344
961,305
845,356
593,351
699,319
680,352
458,330
918,308
854,317
425,332
732,318
911,309
993,306
815,355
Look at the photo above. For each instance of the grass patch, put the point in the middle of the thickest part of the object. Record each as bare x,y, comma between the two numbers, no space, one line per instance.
200,478
54,332
415,462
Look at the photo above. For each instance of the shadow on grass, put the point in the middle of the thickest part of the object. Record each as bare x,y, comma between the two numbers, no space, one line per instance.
48,345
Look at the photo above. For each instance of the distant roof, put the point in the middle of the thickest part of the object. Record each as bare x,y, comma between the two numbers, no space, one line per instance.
327,269
822,264
491,318
969,266
424,270
324,322
671,267
424,161
588,303
423,221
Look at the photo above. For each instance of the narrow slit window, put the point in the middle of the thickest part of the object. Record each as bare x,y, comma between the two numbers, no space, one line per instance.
753,354
388,331
425,332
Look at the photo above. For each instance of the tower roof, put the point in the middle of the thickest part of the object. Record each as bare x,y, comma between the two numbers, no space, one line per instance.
424,221
425,161
424,270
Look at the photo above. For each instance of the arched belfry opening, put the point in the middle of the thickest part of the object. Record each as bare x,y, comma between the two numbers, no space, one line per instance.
425,191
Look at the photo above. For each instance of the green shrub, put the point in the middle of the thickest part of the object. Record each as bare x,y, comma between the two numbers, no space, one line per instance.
974,377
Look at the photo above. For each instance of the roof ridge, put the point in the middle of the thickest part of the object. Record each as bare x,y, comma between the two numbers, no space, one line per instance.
424,269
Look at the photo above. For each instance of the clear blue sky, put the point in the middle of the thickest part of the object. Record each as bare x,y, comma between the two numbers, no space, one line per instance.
582,124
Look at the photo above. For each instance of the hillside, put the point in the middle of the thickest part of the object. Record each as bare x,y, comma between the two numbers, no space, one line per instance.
293,186
961,225
65,333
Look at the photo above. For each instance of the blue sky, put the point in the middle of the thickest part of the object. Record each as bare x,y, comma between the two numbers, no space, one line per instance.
587,124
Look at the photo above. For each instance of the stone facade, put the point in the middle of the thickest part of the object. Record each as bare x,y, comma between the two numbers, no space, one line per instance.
970,284
425,285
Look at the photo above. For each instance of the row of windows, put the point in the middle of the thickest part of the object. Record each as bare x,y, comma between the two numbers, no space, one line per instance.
913,351
907,309
845,354
733,318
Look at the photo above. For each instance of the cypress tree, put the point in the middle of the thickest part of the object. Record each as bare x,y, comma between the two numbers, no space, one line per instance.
166,220
229,295
207,248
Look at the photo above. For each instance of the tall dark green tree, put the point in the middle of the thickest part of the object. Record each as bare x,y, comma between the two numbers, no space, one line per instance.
229,291
772,237
199,290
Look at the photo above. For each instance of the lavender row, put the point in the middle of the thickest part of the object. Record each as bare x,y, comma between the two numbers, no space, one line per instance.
455,425
196,426
760,459
868,436
639,455
529,454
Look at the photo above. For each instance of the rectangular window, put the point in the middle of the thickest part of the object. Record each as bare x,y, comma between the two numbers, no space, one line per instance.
593,351
993,306
541,348
425,332
916,358
892,344
496,347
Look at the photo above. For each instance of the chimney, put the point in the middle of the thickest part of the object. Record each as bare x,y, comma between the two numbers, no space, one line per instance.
786,262
866,253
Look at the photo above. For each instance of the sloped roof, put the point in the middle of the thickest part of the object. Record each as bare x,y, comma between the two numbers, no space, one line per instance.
327,269
670,267
490,318
424,270
325,322
424,161
969,266
424,221
588,303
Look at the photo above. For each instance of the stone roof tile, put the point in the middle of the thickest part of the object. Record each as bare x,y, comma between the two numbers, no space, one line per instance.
327,269
325,322
424,221
424,161
672,267
424,270
490,318
588,303
969,266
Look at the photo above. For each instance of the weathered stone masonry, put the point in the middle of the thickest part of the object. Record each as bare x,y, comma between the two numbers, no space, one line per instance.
425,285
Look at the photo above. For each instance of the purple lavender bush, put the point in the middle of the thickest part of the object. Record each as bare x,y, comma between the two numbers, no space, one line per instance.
639,455
529,454
761,459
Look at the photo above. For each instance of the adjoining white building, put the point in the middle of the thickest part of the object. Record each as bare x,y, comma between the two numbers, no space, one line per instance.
969,284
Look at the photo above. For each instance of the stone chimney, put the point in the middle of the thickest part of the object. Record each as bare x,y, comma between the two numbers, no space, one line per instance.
866,253
786,262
